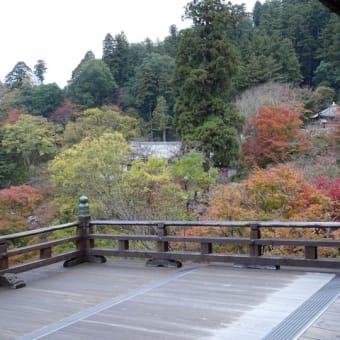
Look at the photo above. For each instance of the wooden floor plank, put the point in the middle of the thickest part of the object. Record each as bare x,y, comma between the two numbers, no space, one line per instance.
132,301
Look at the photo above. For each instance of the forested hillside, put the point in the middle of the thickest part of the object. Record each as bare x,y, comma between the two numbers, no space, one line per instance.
237,89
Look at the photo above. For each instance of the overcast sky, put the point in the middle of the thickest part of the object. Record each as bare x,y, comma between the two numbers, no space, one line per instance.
60,32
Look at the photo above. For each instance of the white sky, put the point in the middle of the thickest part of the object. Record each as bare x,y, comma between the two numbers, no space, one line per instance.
60,32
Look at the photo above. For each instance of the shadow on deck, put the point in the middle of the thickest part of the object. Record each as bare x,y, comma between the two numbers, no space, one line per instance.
124,299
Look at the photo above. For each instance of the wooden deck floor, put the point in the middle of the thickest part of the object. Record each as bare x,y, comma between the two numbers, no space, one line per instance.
123,299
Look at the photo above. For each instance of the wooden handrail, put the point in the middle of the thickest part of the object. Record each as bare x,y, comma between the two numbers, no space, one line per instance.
271,224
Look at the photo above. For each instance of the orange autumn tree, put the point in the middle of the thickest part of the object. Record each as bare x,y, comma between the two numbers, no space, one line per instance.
272,136
278,193
331,188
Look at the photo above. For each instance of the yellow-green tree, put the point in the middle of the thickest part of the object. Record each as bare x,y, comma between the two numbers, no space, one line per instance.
119,187
94,122
33,139
94,167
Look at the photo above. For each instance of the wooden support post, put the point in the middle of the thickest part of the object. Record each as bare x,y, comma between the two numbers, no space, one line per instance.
83,230
162,246
3,256
123,245
311,253
8,279
206,248
255,234
45,253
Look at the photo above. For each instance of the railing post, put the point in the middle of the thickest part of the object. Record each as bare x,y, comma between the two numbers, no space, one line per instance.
83,226
45,253
3,256
255,234
83,230
8,279
123,245
162,246
206,248
311,252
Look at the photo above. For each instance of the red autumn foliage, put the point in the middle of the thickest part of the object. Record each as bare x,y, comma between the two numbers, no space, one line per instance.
331,188
12,118
63,114
272,136
19,199
16,204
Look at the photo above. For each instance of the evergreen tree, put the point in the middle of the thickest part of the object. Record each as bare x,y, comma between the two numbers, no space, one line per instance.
121,60
116,55
170,43
153,79
302,22
89,55
160,117
206,63
20,73
40,70
108,52
93,86
328,71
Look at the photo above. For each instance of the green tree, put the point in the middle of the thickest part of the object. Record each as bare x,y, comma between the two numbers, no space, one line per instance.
219,139
302,22
149,192
20,73
12,172
40,100
108,52
89,55
170,43
116,57
153,79
40,70
93,86
97,167
94,122
206,63
31,138
328,71
161,119
94,167
270,57
191,170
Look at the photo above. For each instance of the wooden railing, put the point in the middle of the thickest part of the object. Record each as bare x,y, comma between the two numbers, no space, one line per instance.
41,251
163,240
165,233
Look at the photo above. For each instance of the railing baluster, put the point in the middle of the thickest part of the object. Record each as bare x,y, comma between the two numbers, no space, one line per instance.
206,248
45,253
311,253
3,256
162,246
123,245
255,234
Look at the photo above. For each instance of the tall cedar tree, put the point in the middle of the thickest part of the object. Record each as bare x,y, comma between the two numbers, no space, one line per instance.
206,63
40,70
